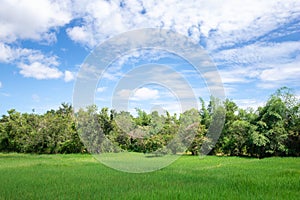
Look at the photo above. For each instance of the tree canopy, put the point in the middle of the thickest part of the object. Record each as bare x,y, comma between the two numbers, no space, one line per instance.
271,130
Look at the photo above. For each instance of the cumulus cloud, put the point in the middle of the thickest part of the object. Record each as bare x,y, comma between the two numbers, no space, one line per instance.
37,19
139,94
39,71
80,34
101,19
68,76
145,94
237,34
223,23
34,63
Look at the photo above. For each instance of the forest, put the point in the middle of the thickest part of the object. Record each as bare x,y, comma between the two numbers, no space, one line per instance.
270,130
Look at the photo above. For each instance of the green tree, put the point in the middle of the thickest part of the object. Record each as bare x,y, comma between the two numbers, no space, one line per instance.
271,122
239,140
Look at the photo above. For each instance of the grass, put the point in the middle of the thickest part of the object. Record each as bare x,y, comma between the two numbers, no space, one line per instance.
25,176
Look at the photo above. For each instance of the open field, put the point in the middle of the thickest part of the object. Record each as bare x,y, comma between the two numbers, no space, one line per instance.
77,176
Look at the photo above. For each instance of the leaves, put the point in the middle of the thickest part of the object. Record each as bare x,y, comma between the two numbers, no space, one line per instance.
270,130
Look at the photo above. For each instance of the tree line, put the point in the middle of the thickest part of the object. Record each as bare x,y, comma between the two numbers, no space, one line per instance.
270,130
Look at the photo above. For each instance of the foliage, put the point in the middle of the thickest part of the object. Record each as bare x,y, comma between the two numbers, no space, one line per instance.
53,132
271,130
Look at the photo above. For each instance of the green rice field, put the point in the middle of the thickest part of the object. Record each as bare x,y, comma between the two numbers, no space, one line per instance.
80,176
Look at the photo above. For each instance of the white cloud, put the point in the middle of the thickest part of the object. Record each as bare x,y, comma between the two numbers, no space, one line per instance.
226,76
112,76
223,23
37,19
10,54
139,94
259,54
276,76
101,20
133,58
145,94
33,63
81,35
268,65
6,53
39,71
269,85
250,20
0,84
68,76
101,89
282,72
235,33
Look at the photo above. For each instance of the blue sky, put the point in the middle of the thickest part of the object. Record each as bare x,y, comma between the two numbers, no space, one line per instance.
254,44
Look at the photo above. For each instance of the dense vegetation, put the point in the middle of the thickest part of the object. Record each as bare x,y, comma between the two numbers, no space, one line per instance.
79,176
271,130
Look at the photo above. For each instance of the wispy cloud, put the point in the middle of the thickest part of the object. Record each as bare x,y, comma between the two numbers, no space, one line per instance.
258,54
282,72
269,65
